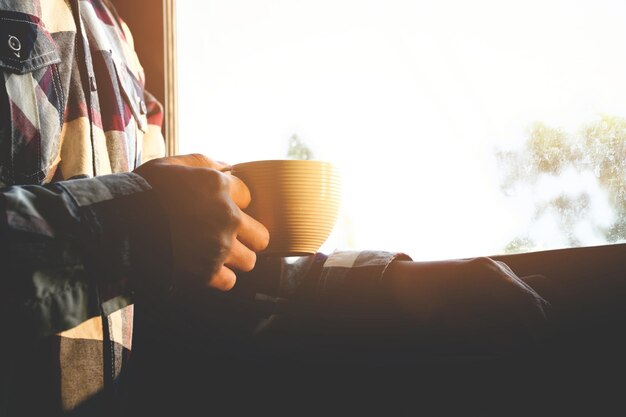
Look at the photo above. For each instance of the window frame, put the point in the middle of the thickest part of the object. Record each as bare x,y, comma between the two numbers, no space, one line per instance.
170,73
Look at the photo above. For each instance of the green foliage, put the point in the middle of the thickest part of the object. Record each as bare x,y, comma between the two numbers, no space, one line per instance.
599,148
605,143
519,245
297,149
548,151
551,149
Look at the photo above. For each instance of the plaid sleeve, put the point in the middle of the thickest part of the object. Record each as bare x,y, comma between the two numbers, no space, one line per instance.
126,233
72,248
350,282
313,306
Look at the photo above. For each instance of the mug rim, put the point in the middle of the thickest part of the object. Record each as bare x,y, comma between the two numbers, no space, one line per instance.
284,161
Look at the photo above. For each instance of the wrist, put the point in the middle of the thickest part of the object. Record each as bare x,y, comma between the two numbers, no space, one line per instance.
125,232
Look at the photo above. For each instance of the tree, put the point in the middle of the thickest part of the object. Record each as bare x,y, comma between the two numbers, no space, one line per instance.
605,152
598,148
297,149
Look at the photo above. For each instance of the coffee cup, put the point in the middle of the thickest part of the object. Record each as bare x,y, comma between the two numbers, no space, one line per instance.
296,200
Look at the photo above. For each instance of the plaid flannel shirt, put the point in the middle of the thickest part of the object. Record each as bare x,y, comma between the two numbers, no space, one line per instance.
79,231
75,119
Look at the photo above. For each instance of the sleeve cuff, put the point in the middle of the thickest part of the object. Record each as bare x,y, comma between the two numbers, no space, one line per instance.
125,233
90,191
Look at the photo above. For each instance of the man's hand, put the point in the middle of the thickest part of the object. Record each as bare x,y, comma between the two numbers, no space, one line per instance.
211,236
471,302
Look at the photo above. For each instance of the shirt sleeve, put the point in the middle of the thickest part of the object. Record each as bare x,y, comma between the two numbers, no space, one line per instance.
73,249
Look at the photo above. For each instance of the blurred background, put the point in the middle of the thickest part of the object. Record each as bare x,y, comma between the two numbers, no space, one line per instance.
460,128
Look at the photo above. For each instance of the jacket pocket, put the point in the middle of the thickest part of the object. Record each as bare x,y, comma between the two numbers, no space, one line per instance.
31,102
133,93
122,109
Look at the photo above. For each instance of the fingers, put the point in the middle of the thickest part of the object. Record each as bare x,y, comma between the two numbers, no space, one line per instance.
240,257
252,233
251,237
239,192
224,279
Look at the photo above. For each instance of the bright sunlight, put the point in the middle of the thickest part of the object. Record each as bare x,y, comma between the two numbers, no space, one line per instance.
425,106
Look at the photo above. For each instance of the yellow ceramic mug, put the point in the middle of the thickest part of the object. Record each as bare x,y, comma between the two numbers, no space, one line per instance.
297,200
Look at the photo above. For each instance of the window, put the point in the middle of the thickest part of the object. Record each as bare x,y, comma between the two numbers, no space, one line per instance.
460,128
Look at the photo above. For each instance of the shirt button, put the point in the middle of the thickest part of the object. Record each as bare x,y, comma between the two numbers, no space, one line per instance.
15,45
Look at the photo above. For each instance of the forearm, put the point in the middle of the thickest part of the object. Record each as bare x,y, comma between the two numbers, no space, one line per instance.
72,248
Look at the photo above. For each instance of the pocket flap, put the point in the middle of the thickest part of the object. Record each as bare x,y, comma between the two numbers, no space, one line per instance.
25,45
132,91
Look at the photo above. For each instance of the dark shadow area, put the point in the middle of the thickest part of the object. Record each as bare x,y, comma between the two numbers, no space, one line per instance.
185,361
188,362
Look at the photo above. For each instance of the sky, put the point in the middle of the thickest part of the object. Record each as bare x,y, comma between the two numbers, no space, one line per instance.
410,99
